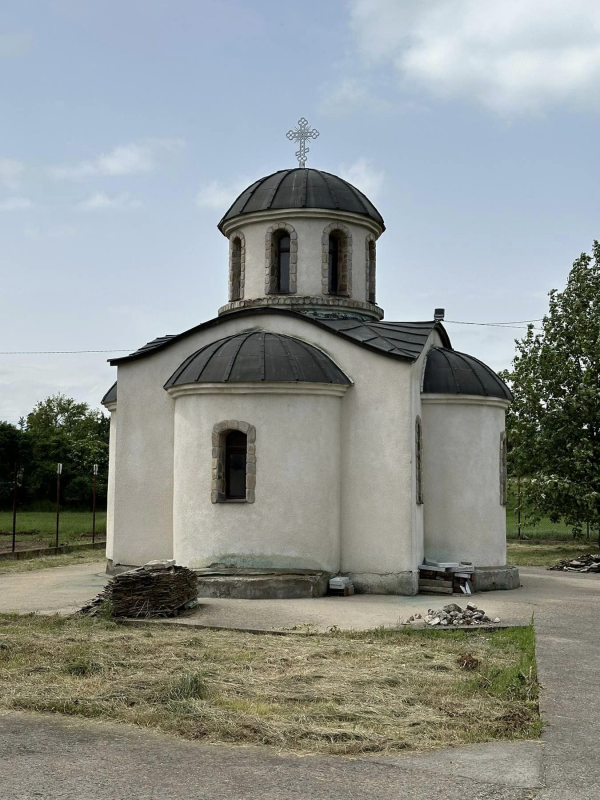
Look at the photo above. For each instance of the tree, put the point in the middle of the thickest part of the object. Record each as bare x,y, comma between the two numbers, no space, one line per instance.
59,429
554,422
11,454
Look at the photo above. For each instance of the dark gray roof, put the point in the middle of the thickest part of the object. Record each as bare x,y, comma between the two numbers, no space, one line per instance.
302,188
111,395
258,355
450,372
402,340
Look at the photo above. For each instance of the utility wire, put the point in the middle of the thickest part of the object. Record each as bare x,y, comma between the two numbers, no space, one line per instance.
132,349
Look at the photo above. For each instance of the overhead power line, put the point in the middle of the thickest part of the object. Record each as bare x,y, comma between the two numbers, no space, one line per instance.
515,323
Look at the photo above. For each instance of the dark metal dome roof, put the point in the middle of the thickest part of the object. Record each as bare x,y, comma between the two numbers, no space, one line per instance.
302,188
111,395
258,356
450,372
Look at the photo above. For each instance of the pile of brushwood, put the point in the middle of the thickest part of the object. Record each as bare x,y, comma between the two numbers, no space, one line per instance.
583,563
158,589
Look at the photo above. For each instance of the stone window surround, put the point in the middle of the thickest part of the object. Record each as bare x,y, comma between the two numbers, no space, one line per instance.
418,461
346,269
370,275
237,235
503,470
270,254
219,434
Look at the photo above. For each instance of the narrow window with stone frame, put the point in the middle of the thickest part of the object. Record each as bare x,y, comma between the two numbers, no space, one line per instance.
337,260
503,470
236,269
419,461
371,263
233,462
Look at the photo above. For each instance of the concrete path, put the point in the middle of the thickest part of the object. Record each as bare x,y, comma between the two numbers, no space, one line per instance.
63,589
64,759
59,758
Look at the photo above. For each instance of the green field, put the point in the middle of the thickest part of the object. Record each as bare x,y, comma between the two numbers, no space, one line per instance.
38,528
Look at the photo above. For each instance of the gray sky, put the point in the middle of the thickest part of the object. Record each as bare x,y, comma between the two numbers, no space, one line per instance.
128,127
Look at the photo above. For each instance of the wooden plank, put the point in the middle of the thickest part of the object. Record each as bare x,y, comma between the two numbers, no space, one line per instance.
438,583
432,590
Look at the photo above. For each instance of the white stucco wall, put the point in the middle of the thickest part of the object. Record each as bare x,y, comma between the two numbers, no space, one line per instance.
463,516
377,432
295,519
110,499
310,253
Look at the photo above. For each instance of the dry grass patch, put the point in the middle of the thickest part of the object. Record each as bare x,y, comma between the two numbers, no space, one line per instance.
339,693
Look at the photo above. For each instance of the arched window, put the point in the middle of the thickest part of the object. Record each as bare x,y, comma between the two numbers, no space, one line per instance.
337,260
371,256
419,460
236,269
236,453
233,461
282,257
503,470
334,263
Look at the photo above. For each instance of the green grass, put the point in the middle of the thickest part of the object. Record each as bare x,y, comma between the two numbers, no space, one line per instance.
38,528
341,693
46,562
536,554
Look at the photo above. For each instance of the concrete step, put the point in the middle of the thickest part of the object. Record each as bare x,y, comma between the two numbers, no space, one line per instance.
257,584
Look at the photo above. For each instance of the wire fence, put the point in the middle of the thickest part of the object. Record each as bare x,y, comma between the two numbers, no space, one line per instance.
519,525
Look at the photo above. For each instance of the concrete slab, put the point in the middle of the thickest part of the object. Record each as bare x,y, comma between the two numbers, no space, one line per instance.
63,589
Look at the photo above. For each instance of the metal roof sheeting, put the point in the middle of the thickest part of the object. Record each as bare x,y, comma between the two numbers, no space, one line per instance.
403,340
450,372
302,188
255,356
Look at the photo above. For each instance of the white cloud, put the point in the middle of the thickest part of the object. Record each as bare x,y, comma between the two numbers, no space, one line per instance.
15,44
15,204
100,201
512,57
349,95
127,159
10,172
363,174
217,194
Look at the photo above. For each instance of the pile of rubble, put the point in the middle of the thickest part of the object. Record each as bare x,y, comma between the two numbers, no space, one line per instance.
158,589
453,614
584,563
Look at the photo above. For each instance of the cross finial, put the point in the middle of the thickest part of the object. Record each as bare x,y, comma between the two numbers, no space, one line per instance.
301,134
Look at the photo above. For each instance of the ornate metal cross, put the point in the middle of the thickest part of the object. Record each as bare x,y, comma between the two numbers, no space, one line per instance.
301,134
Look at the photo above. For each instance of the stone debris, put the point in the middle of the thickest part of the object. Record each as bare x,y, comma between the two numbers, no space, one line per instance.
583,563
158,589
453,614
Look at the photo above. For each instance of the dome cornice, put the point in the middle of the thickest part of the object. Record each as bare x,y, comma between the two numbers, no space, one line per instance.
228,226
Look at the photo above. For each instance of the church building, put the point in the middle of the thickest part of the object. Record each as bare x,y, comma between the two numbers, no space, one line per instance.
299,429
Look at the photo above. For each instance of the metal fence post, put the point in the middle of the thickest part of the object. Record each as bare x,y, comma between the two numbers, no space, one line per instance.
519,505
58,473
14,510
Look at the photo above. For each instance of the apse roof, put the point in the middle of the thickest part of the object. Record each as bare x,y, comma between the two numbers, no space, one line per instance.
302,188
111,395
401,340
255,356
449,372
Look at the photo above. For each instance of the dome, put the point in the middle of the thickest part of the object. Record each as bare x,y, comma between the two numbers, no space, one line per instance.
258,356
111,395
450,372
302,188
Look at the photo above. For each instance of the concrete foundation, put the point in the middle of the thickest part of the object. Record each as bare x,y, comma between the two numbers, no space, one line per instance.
489,579
256,584
406,583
